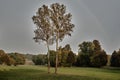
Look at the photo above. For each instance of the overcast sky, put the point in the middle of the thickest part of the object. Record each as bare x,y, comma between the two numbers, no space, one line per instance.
93,19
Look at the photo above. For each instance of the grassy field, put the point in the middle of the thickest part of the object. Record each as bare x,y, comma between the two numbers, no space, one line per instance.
40,73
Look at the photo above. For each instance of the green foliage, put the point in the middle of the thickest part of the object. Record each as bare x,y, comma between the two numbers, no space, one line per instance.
83,60
115,59
18,58
5,58
52,58
86,48
40,59
91,54
65,58
2,54
99,59
71,58
97,46
67,47
66,54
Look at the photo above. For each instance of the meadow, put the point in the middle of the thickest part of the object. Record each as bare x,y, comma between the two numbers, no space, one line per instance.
64,73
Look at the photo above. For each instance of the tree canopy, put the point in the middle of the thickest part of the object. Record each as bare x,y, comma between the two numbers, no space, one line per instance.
53,24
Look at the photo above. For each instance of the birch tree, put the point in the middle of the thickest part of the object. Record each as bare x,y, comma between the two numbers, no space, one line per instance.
43,31
53,24
62,25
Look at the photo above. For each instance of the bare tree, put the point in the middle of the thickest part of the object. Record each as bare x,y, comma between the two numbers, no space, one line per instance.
62,25
43,30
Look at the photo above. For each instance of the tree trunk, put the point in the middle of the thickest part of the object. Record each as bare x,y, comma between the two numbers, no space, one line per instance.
56,65
48,56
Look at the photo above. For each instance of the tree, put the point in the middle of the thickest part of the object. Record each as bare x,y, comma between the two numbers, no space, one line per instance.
115,59
52,58
91,54
70,58
99,59
5,58
19,59
86,50
44,28
52,24
2,53
83,60
97,46
61,24
64,54
67,47
39,59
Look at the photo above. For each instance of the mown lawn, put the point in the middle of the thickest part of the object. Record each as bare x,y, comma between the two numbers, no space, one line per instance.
40,73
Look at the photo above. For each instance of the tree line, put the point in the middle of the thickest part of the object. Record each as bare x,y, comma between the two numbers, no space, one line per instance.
90,54
11,58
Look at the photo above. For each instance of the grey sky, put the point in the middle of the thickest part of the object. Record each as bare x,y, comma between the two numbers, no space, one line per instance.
93,19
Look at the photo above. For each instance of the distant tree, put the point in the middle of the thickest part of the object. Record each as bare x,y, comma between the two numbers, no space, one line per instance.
97,46
18,58
91,54
99,59
2,53
59,55
39,59
86,50
115,59
5,59
52,58
67,47
44,27
61,24
70,58
83,60
64,56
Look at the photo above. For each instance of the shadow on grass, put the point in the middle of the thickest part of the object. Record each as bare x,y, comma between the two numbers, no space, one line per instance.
32,74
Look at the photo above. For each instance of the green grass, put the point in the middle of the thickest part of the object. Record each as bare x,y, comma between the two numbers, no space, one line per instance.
73,73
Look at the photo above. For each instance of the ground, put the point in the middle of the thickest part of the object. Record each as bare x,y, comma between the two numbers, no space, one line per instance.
73,73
